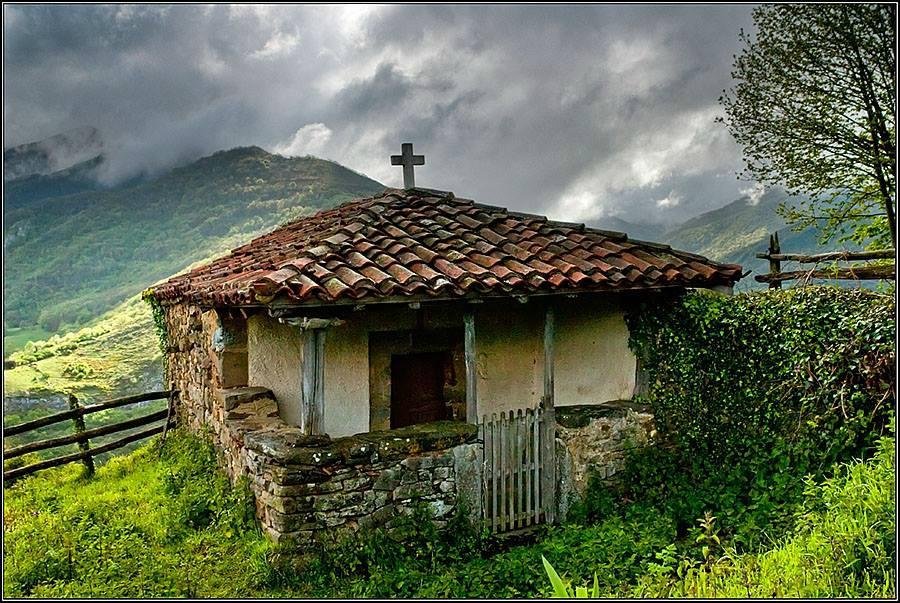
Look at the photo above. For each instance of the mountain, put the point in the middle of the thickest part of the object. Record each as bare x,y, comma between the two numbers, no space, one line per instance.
635,230
78,178
72,257
737,231
52,154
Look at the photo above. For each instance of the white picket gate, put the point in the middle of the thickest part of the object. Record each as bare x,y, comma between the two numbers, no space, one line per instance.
519,476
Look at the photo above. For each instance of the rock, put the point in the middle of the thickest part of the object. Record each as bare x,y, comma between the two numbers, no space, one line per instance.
240,395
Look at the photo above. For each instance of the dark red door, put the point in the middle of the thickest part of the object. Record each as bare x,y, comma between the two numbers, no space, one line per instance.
417,388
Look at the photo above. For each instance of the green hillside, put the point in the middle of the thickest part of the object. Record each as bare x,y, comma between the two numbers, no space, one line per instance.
117,353
736,232
78,255
70,258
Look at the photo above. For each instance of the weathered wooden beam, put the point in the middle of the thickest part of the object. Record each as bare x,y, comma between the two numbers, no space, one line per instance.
471,368
880,254
312,411
844,273
71,458
84,410
549,337
83,436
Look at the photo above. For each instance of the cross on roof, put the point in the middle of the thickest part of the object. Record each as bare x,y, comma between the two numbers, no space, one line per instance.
408,160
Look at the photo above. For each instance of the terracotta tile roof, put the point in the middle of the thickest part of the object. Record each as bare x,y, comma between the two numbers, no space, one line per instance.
420,242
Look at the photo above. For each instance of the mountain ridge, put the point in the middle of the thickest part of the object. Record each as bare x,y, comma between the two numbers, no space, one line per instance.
74,256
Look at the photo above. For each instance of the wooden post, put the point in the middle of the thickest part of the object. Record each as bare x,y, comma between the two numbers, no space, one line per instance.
548,454
169,410
774,265
471,368
549,335
84,446
312,411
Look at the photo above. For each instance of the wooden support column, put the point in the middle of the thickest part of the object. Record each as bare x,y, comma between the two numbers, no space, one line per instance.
548,435
471,372
549,334
312,409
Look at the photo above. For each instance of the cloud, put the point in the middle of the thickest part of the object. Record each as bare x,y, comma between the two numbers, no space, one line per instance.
753,193
576,111
308,140
672,200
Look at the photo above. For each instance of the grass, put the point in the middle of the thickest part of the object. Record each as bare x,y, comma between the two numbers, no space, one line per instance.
116,354
148,524
166,523
15,338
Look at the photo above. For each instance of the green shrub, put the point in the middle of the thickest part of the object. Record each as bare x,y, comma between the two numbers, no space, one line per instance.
755,391
842,545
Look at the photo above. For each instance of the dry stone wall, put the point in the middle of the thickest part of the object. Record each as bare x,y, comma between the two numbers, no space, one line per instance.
593,440
313,487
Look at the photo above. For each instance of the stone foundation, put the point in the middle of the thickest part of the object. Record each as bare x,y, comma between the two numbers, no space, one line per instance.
593,440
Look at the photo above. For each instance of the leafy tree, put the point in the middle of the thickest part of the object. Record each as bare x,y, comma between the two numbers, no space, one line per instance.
813,108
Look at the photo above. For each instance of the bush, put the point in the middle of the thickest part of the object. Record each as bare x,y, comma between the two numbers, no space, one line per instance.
842,545
755,391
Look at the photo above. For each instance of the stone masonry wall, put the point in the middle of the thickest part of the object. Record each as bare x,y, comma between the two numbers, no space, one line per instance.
312,487
594,440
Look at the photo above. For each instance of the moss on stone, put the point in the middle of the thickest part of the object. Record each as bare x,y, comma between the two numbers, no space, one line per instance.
582,414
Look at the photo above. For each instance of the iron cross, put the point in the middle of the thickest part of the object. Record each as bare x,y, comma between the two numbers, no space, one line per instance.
408,160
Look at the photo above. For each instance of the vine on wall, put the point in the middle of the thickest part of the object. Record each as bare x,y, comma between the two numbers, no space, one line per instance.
753,392
160,327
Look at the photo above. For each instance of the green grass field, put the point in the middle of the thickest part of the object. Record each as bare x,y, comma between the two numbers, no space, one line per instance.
164,522
14,339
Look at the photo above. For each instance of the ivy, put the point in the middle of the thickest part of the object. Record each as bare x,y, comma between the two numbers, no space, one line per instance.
159,323
752,392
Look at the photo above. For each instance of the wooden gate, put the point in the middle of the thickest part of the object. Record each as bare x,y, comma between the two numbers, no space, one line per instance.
519,477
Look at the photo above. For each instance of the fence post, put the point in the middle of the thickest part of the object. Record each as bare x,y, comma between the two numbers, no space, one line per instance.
84,445
169,411
774,265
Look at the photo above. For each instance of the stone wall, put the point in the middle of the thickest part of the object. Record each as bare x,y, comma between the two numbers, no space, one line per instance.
313,487
593,440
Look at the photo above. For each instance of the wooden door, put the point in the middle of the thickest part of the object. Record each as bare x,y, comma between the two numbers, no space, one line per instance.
417,388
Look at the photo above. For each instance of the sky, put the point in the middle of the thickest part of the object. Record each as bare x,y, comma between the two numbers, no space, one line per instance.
578,112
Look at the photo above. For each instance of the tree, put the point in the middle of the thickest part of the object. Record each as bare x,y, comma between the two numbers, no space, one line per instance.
813,108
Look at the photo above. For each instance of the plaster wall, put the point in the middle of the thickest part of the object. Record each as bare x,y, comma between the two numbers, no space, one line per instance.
593,361
509,357
346,381
274,357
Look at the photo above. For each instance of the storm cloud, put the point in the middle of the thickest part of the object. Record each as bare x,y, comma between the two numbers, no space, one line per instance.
578,112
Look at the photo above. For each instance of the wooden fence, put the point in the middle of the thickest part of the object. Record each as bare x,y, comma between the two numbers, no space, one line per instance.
862,272
519,477
82,436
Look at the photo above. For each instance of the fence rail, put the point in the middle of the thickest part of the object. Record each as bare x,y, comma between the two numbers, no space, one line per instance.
82,436
861,272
